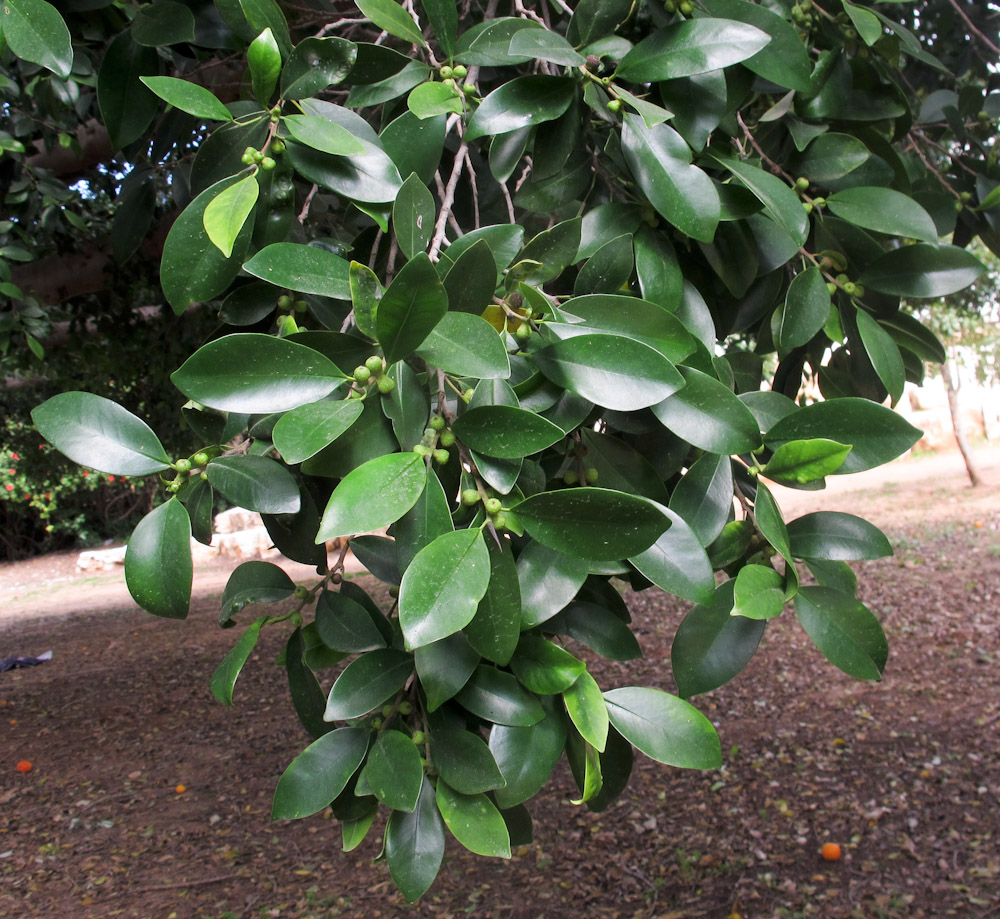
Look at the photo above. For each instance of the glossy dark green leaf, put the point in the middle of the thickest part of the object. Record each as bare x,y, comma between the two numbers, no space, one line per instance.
496,696
315,64
127,107
96,432
442,587
35,31
264,59
255,373
307,695
371,178
495,628
192,269
681,192
876,434
415,144
227,673
707,414
367,682
378,556
711,646
802,461
549,579
664,727
758,593
306,430
325,136
598,629
253,582
474,821
592,523
431,99
411,306
883,354
677,562
373,495
188,97
370,437
520,103
429,518
837,536
414,845
781,204
413,215
319,773
345,625
256,483
699,104
844,630
884,211
609,370
553,249
471,280
545,45
408,406
488,43
464,761
690,47
158,567
306,269
831,156
911,334
805,310
922,270
389,15
443,17
527,755
543,667
838,575
444,667
587,710
505,431
163,23
365,294
466,346
394,772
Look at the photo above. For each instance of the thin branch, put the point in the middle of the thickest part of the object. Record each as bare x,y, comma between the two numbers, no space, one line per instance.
449,200
772,165
509,200
308,203
973,28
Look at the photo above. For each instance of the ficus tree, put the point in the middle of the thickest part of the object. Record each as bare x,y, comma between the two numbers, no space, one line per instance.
516,302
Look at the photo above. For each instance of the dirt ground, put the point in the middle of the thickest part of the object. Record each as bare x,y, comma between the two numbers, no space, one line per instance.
903,774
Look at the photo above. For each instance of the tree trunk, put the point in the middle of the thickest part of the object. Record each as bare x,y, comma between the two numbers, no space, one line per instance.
958,425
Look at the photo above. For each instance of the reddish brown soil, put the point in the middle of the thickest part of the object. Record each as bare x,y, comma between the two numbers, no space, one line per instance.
904,774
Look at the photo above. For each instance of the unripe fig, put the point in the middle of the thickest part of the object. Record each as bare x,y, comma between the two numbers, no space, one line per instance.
386,385
470,497
493,506
374,363
441,457
447,439
437,423
362,375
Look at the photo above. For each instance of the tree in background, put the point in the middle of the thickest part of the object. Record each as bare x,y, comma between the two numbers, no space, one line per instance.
503,280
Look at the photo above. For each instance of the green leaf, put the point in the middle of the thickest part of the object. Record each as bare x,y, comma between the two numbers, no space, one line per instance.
780,202
496,696
466,346
325,136
806,308
127,107
592,523
488,43
365,294
228,672
389,15
884,211
922,270
521,103
253,582
444,667
837,536
35,31
226,213
832,156
553,249
526,755
256,483
306,430
370,178
394,772
911,334
867,24
548,580
495,628
681,192
544,667
758,593
474,821
188,97
163,23
704,496
677,563
373,495
256,374
597,628
319,774
345,625
706,414
588,711
306,269
96,432
442,587
545,45
802,461
443,17
413,215
367,682
408,406
876,434
710,646
431,99
266,14
609,370
308,697
158,568
883,354
464,761
264,59
505,431
665,728
410,308
414,845
315,64
844,630
690,47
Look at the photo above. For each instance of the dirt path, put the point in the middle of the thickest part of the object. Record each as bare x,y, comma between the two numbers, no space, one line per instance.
904,774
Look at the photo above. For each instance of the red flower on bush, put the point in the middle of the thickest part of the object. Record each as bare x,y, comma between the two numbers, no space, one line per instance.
9,487
27,497
111,478
12,471
14,457
85,472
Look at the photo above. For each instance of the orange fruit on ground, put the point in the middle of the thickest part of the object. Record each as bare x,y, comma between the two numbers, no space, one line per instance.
830,851
24,766
180,789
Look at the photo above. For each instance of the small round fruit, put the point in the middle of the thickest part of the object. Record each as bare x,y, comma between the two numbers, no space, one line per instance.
24,765
468,88
686,7
571,477
362,375
418,737
459,72
819,202
387,710
807,207
377,722
592,475
523,332
830,852
447,439
802,183
421,450
301,592
200,458
850,288
174,487
268,163
468,394
386,385
615,105
470,497
394,591
180,789
499,522
300,306
493,506
446,72
831,288
277,146
284,302
405,708
374,363
183,465
441,457
437,423
430,435
450,83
